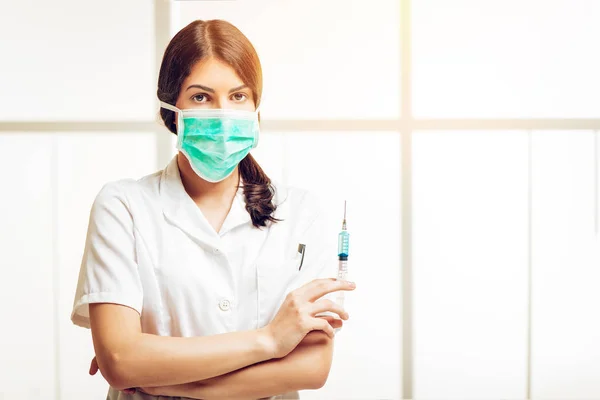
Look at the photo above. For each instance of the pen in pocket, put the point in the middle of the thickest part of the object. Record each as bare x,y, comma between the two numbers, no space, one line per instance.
301,250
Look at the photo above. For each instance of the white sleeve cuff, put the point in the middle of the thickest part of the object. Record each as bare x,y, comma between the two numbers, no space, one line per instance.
81,315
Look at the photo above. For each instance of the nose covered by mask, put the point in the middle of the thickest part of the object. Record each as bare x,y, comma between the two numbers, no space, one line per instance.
215,140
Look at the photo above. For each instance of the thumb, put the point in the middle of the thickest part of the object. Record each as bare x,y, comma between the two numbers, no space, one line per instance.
93,366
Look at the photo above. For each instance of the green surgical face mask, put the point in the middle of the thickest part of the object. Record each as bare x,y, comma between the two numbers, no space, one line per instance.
215,140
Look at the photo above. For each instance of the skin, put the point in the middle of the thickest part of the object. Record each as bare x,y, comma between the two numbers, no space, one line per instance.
293,352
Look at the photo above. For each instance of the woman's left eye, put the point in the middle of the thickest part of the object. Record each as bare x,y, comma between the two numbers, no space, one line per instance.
239,96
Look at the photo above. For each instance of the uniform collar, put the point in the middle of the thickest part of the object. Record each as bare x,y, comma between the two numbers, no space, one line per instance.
180,209
238,215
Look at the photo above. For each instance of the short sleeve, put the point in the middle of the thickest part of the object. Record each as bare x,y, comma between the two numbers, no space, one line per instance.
109,271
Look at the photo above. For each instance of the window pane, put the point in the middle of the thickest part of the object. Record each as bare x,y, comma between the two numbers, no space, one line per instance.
565,296
470,264
335,166
270,154
26,291
321,59
77,60
85,163
510,58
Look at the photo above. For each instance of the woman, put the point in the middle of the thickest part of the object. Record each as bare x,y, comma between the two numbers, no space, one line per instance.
191,280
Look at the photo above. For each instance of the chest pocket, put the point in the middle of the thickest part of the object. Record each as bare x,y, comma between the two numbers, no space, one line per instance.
278,273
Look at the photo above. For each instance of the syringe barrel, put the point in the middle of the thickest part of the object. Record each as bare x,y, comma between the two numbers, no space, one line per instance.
343,244
342,269
342,275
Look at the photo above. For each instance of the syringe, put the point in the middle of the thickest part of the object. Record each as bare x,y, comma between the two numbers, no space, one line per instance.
343,247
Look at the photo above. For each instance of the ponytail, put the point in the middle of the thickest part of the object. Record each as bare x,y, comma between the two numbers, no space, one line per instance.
258,192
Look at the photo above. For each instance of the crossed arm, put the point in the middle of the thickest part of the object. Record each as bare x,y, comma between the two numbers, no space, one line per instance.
307,367
237,365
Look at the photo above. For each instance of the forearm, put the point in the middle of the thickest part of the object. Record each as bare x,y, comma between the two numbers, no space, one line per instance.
152,360
306,367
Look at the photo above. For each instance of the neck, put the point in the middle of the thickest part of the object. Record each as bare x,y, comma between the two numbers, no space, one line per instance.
202,191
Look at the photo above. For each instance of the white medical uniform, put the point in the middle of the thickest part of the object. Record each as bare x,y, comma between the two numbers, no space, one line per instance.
150,248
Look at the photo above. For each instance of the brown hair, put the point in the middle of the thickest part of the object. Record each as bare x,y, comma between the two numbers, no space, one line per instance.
223,41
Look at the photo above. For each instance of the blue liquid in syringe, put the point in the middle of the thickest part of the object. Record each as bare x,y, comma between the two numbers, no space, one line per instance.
343,244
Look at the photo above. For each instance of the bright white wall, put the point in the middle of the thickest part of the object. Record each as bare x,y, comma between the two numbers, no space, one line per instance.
470,264
566,260
506,58
77,60
27,291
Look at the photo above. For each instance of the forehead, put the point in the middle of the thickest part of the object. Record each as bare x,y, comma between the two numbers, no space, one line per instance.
213,73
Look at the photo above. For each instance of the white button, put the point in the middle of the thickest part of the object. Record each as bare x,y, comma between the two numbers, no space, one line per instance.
224,305
216,251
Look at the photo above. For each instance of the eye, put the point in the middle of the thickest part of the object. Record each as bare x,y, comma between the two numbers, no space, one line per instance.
200,98
240,96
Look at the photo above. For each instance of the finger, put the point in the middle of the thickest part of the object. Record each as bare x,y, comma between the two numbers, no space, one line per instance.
324,305
334,322
326,317
320,287
319,324
93,366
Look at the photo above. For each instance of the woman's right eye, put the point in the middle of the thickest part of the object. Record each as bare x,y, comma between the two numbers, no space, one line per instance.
200,98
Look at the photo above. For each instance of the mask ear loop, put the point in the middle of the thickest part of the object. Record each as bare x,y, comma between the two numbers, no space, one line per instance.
179,121
169,106
257,127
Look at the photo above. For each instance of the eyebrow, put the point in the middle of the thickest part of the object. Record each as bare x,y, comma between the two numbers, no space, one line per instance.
197,86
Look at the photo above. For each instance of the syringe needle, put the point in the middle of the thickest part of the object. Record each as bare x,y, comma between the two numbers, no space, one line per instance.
344,221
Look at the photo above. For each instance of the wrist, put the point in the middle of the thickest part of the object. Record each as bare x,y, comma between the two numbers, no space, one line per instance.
266,343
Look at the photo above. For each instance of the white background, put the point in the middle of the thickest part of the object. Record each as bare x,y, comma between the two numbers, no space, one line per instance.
502,219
